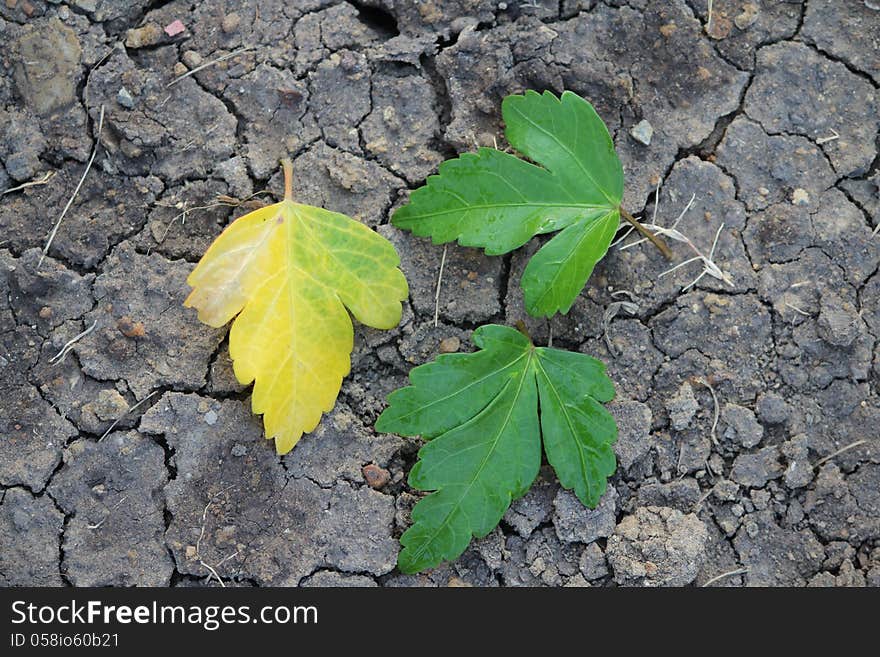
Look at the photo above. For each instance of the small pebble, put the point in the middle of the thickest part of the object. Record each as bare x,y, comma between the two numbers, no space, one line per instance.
748,16
800,197
239,450
375,476
174,28
230,23
140,37
192,59
642,132
124,98
450,345
211,417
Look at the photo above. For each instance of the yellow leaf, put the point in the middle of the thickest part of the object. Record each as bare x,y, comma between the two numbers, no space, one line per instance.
289,271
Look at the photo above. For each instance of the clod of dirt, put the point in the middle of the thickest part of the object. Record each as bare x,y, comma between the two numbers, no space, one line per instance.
47,68
775,555
31,528
633,432
743,427
534,508
592,563
755,470
682,407
657,546
576,523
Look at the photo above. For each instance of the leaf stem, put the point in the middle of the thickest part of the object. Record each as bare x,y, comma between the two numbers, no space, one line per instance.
521,327
287,166
656,241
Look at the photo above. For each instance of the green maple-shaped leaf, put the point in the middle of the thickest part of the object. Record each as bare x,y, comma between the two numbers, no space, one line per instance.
497,201
480,414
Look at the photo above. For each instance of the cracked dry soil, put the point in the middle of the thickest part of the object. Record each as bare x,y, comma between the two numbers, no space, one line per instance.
767,115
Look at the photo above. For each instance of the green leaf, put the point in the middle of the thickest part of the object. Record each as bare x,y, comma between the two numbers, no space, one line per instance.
497,201
480,415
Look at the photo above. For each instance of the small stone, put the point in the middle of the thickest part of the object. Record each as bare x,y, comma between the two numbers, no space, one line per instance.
592,563
130,328
668,29
109,405
211,417
190,551
239,450
800,197
174,28
141,37
719,28
375,476
45,312
642,132
192,59
450,345
124,98
747,17
230,23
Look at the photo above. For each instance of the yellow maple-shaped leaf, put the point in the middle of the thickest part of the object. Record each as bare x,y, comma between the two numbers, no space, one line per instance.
289,271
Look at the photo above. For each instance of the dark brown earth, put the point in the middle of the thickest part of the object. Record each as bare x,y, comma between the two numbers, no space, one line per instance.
749,414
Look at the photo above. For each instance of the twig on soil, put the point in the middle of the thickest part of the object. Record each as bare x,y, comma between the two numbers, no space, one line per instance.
797,310
709,20
822,461
702,499
33,183
133,408
57,358
206,566
221,200
222,58
75,191
705,382
437,289
109,511
740,571
825,140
